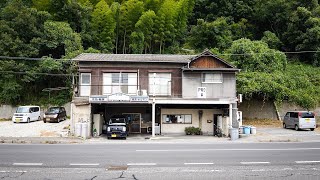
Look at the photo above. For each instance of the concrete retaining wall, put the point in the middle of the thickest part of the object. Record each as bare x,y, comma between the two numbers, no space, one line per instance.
7,111
255,109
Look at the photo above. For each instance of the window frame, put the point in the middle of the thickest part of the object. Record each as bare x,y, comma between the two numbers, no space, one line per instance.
205,81
164,116
155,84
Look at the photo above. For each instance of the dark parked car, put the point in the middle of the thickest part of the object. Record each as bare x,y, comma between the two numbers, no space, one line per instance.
117,127
55,114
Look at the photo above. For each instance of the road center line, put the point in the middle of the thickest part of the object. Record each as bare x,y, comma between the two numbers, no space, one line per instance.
195,150
141,164
255,162
305,162
79,164
27,164
198,163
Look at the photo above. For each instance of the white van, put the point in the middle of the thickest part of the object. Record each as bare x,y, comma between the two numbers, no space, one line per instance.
299,120
26,114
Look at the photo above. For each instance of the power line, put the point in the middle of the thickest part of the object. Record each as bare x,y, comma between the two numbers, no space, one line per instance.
222,54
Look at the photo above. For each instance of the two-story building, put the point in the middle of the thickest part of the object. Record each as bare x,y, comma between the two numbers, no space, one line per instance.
155,91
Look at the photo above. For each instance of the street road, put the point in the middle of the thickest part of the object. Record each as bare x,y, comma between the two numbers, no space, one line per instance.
161,161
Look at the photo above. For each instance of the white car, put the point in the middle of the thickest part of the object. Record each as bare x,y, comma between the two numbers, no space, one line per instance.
26,114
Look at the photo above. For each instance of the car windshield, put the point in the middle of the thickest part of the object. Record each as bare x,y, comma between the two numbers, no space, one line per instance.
117,120
307,115
53,110
23,110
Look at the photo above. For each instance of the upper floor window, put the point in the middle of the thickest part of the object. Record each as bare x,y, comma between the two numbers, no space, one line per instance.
119,83
211,78
160,84
85,84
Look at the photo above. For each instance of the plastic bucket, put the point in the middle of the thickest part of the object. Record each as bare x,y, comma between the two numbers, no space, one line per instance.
253,130
246,130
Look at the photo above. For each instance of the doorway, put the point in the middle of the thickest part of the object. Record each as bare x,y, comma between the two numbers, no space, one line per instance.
215,123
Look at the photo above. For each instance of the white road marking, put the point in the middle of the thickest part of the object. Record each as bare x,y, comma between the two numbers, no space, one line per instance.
306,162
217,170
198,163
258,170
191,150
287,169
27,164
255,162
141,164
13,171
79,164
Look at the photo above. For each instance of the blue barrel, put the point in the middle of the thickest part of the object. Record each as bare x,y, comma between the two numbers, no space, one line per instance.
246,130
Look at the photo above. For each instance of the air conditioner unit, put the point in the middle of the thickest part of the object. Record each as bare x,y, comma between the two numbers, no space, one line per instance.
144,92
139,92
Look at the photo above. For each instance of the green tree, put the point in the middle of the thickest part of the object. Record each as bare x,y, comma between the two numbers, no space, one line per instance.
256,56
115,8
103,26
136,45
130,12
303,34
59,39
271,39
21,28
165,24
145,29
216,34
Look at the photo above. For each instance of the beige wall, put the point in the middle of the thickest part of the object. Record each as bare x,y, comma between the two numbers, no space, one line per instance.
80,113
207,128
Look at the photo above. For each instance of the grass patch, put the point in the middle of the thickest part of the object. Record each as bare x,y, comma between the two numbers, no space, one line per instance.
262,122
4,120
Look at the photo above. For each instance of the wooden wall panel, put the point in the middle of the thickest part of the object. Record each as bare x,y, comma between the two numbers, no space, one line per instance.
207,62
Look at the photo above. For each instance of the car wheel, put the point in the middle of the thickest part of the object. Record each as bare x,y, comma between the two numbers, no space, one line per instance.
296,127
284,125
312,129
28,120
45,121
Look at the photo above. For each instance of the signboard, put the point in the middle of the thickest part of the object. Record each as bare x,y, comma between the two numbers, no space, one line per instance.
201,92
117,98
98,99
139,98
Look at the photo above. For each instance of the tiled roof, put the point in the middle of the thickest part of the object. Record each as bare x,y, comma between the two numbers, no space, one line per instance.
134,57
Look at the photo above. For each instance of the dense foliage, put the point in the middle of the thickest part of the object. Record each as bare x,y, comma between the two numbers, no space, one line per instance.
262,37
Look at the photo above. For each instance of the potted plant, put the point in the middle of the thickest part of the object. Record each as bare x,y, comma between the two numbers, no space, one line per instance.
188,130
197,131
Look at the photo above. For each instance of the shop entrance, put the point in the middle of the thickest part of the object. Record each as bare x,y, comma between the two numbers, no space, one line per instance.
135,122
139,115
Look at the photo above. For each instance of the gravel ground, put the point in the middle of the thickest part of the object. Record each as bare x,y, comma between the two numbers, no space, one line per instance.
33,129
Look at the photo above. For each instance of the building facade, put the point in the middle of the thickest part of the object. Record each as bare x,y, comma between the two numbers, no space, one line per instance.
160,94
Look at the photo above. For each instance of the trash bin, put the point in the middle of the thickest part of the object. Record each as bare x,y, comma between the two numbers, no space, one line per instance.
234,134
241,130
253,130
246,130
78,129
